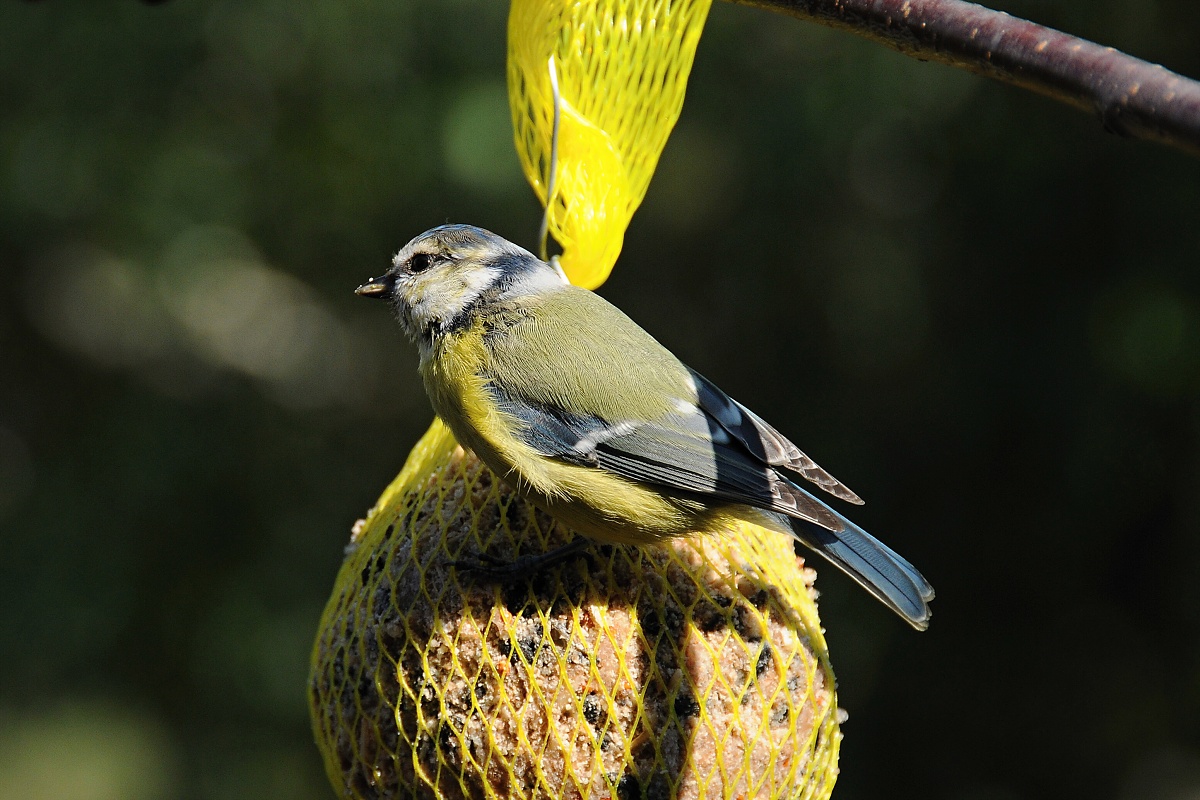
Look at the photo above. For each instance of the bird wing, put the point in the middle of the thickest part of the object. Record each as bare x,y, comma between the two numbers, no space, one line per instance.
686,452
662,423
692,455
763,441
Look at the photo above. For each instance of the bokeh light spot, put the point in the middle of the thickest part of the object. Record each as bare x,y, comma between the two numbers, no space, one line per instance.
93,751
1148,336
478,141
212,305
98,305
243,315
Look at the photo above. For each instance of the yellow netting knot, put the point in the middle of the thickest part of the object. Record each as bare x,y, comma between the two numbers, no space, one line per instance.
622,69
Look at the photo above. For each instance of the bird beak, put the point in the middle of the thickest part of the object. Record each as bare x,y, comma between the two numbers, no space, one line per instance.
377,287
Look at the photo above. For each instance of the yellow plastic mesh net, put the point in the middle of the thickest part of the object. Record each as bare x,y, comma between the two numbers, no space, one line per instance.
621,68
696,669
674,672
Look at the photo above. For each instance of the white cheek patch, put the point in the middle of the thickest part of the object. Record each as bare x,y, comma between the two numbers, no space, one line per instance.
474,283
430,302
534,282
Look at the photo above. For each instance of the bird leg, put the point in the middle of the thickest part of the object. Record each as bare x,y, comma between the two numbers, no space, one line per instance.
525,566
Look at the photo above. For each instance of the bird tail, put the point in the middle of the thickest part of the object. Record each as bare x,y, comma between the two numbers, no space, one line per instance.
875,566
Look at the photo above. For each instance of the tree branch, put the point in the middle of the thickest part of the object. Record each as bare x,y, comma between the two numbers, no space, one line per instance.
1131,97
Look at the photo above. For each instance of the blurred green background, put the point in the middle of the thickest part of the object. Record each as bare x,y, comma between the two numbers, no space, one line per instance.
971,304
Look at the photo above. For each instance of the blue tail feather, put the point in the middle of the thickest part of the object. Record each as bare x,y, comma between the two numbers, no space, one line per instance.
874,565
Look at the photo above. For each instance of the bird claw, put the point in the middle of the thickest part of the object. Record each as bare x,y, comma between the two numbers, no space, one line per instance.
520,568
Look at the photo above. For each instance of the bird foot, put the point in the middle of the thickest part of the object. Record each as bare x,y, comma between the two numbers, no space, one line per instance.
528,566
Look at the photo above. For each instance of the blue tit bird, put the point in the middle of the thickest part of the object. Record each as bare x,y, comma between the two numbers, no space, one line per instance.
587,416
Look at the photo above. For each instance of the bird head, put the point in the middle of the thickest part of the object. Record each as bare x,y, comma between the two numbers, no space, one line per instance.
439,278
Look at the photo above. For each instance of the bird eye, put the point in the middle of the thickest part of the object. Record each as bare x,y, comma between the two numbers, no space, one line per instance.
420,262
